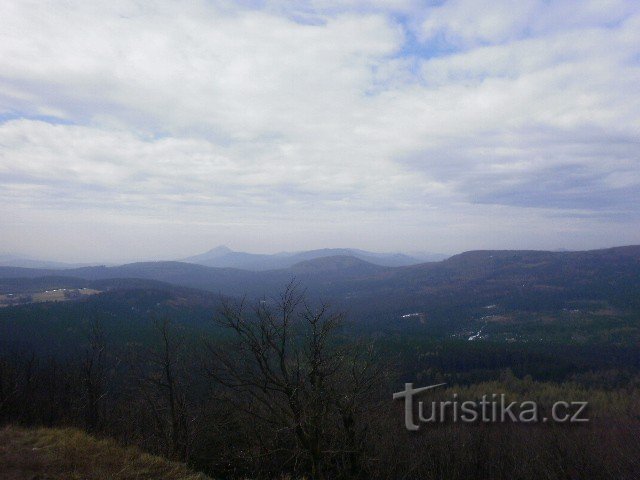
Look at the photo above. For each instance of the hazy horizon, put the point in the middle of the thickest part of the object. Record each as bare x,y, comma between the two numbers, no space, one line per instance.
97,260
137,131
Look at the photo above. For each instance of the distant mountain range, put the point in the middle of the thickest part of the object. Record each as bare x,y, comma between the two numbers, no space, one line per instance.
223,257
519,279
10,260
229,281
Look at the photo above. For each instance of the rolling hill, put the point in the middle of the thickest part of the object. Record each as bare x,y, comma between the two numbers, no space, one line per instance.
518,279
223,257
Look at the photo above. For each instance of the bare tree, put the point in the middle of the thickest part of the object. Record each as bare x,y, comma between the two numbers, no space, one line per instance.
161,379
289,369
92,371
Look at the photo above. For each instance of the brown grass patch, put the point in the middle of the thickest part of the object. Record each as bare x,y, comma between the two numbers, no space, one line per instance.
69,454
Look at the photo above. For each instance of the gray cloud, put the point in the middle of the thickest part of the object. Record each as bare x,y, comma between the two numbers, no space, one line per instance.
385,125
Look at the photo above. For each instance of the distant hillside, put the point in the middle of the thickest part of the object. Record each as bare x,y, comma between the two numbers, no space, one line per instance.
519,279
339,264
18,261
223,257
523,279
592,295
54,454
220,280
176,273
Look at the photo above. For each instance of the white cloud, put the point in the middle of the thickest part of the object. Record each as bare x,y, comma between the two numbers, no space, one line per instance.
208,110
471,22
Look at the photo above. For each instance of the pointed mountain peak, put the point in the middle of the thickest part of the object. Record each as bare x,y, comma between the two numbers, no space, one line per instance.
213,254
220,250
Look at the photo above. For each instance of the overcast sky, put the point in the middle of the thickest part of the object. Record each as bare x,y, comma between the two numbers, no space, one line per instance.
139,129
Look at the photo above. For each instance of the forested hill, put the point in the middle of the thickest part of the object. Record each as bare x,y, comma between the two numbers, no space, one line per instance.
518,279
611,272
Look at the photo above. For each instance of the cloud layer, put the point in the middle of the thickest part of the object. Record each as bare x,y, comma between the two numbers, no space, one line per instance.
384,125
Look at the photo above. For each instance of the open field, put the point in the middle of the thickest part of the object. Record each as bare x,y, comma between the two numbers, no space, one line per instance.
56,295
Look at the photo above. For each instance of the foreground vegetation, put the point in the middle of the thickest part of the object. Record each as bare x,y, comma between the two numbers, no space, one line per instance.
69,454
281,388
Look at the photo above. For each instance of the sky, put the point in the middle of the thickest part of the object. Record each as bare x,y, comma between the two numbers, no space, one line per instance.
135,130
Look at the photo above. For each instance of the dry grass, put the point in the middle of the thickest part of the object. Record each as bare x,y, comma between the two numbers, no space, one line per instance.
69,454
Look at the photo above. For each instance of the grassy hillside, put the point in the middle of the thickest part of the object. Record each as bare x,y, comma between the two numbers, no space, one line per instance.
69,454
